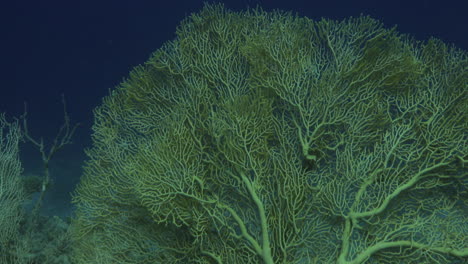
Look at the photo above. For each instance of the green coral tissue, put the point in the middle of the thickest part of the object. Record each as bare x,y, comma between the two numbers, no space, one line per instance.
12,195
264,137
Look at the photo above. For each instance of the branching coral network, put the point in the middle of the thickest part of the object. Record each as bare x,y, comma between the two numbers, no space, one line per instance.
263,137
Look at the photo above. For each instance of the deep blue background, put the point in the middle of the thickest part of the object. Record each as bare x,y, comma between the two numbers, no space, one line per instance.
84,48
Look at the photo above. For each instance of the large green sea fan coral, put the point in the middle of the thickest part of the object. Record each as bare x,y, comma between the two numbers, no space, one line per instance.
258,137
